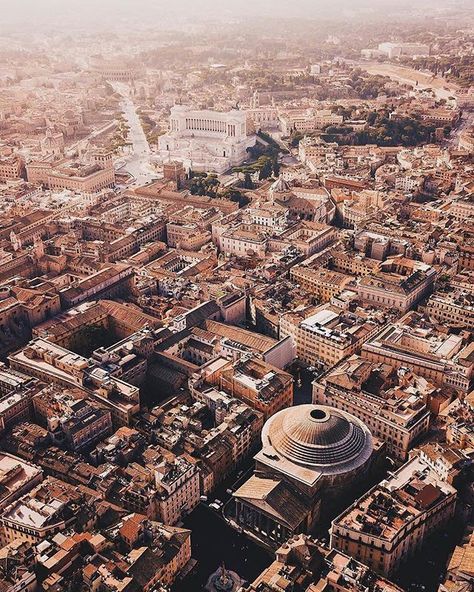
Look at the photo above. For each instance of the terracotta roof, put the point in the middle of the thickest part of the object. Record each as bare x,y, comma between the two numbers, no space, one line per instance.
131,527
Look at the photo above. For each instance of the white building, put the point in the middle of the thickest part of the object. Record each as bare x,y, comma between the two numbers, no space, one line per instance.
395,50
206,140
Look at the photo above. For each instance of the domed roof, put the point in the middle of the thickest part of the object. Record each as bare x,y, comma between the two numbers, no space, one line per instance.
318,437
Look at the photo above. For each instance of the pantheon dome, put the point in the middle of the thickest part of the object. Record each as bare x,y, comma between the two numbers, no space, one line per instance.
311,456
315,438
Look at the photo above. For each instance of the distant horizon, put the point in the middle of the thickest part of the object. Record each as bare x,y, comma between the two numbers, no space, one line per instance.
80,14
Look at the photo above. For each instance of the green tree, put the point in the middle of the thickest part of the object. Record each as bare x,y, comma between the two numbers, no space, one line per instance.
371,117
276,167
266,167
248,183
90,338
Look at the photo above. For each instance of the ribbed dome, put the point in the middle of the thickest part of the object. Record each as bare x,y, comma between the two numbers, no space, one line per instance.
318,436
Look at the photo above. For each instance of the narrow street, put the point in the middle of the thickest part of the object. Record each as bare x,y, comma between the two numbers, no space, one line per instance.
424,571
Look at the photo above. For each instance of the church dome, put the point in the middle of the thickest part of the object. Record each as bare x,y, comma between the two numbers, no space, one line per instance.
318,437
280,186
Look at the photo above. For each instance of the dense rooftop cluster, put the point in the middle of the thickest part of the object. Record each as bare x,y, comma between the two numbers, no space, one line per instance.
243,288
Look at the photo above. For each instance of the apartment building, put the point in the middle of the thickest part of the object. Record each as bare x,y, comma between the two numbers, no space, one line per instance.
74,423
165,549
17,477
459,574
440,117
414,342
110,281
462,208
190,228
393,49
454,308
16,394
448,462
306,236
400,284
303,564
51,507
218,450
387,525
308,120
263,387
392,403
322,283
459,424
328,333
353,263
245,240
178,489
51,363
73,175
10,168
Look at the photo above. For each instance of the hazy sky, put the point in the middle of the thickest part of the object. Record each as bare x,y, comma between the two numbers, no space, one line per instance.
40,13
